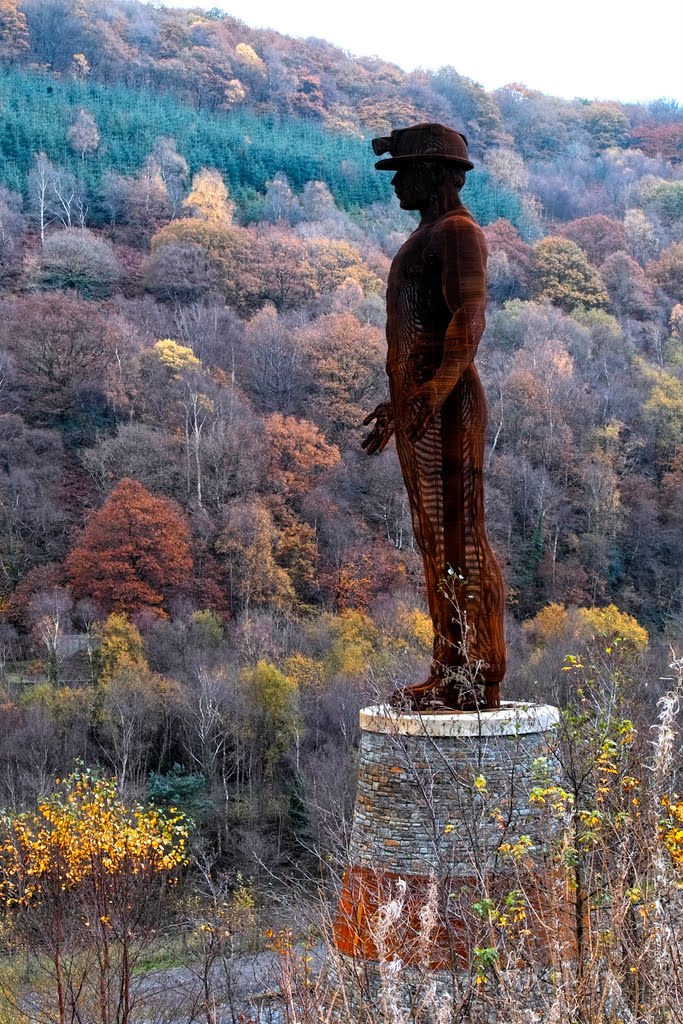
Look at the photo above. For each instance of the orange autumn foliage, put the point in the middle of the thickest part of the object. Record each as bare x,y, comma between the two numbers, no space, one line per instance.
300,453
134,553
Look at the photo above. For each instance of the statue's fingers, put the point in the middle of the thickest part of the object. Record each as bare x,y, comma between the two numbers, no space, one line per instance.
372,442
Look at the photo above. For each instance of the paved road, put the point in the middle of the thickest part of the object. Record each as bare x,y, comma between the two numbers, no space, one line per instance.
246,990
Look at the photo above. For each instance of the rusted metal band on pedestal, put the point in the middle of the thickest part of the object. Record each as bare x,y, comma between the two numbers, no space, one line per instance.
458,931
365,892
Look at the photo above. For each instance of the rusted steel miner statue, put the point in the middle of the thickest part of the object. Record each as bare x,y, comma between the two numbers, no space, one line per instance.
436,300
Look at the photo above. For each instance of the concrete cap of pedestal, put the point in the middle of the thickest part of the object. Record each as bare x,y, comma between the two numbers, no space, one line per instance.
514,718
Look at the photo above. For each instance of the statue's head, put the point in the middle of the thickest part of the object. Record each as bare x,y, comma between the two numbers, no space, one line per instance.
426,158
417,182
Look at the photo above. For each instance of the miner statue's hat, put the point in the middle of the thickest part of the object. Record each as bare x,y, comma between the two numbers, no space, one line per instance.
422,142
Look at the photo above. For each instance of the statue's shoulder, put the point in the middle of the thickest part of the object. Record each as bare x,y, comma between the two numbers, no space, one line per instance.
460,230
459,222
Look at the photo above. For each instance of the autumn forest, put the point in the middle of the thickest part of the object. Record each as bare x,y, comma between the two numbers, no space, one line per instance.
202,576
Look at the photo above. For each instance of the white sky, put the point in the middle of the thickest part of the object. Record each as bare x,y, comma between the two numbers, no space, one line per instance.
626,50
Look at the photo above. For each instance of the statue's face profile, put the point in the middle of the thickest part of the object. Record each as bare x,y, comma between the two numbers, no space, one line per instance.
414,185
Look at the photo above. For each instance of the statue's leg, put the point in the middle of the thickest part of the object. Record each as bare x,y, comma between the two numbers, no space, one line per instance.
474,646
421,465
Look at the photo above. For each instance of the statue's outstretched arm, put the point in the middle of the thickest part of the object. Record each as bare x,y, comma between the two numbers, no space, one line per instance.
460,249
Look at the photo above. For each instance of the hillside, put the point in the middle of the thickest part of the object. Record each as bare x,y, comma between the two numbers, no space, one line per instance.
202,576
250,230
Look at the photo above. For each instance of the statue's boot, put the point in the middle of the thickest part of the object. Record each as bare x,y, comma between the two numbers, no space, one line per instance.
417,695
436,690
453,696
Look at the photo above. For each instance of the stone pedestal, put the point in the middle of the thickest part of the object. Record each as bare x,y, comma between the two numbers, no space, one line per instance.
443,823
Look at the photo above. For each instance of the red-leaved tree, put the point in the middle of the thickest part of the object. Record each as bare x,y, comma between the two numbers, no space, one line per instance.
134,553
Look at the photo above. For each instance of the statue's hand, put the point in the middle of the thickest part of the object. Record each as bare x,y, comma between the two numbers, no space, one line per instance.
423,406
380,435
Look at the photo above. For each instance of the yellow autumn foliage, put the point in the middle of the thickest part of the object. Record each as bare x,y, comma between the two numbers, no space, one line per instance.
670,829
609,626
275,701
175,356
613,626
247,55
421,628
548,624
81,831
209,199
305,671
354,639
664,407
121,645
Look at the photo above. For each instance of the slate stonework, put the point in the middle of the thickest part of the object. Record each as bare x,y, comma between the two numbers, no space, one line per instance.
418,809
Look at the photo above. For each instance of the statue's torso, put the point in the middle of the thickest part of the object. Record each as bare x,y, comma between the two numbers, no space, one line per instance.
417,312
